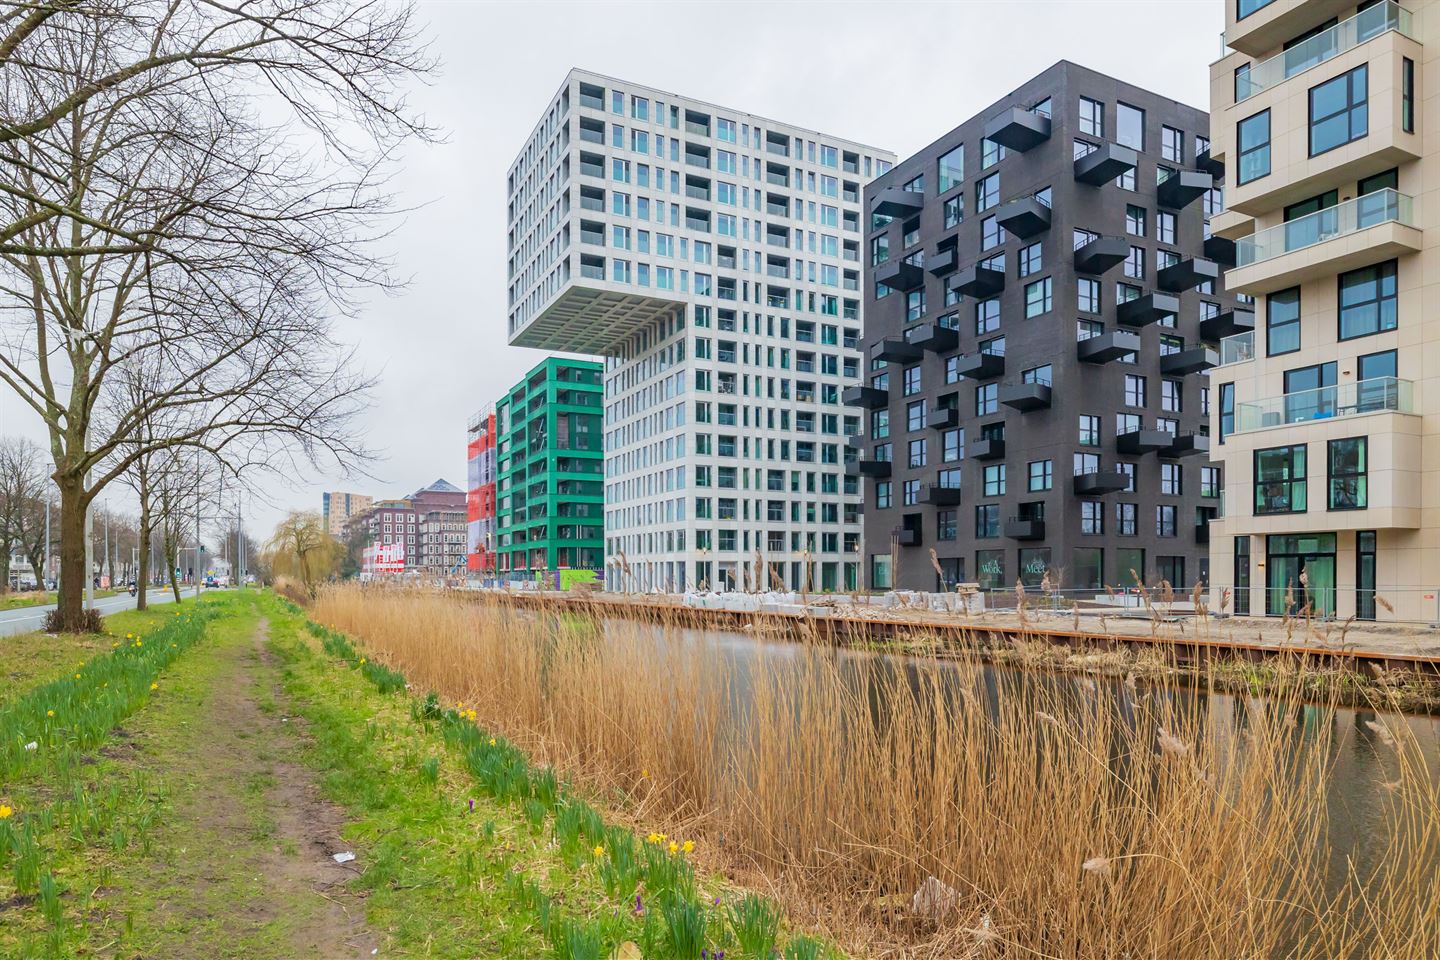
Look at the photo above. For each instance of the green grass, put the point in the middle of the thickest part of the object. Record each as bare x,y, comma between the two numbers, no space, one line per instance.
35,598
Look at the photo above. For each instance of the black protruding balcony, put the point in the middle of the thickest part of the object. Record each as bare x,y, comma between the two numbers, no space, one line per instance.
1227,324
1108,346
1100,483
1187,273
897,202
868,468
981,366
1220,250
1138,442
894,349
856,441
1026,396
871,398
986,448
1187,445
1018,129
899,275
978,282
935,338
944,260
1101,165
1024,528
1101,254
1025,218
1191,360
1148,309
940,496
1183,188
1207,163
942,418
907,536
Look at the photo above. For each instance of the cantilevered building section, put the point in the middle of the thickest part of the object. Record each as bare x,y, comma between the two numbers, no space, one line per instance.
1044,310
1326,413
713,258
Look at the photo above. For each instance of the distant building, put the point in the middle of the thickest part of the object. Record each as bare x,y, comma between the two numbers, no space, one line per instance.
340,508
537,476
398,530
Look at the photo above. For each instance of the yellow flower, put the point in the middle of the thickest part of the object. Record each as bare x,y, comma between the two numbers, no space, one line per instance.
362,661
154,686
129,636
599,851
673,846
653,838
688,846
115,644
49,713
492,741
77,676
5,811
472,714
139,644
644,774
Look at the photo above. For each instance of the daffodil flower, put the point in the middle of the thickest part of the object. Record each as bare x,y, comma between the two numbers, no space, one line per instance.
5,811
49,713
674,847
599,851
688,846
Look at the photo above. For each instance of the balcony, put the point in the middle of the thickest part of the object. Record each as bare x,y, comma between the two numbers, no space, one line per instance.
898,203
1192,360
1101,254
1187,445
987,448
1209,164
868,468
1237,349
871,398
938,495
981,366
1026,396
1183,188
935,338
1018,129
1187,274
1108,346
942,261
856,441
979,282
1104,164
1277,21
1227,324
899,275
1100,483
893,349
1324,46
1377,395
1219,249
1139,442
906,536
1024,528
1025,218
1352,234
1147,309
942,418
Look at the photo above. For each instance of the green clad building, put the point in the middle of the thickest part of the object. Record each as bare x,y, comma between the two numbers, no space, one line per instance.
550,483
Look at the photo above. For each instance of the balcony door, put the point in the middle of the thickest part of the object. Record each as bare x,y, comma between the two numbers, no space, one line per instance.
1302,229
1306,396
1376,389
1300,575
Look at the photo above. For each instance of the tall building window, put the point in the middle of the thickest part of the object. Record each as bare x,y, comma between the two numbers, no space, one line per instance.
1282,322
1089,434
991,233
1280,480
1227,410
1088,294
985,399
987,192
1134,220
1367,300
1092,518
1252,136
995,480
1130,126
1092,117
1030,261
1135,394
1407,95
1165,226
1172,144
951,168
1037,298
1041,476
1171,480
1339,110
1127,519
987,521
1165,515
1348,483
954,210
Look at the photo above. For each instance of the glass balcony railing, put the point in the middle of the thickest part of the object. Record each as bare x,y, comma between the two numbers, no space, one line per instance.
1372,209
1325,45
1342,400
1238,348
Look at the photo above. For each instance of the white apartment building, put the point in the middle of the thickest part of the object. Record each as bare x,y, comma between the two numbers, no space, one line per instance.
713,258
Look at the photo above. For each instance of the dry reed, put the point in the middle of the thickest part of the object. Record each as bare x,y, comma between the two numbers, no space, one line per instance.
1072,819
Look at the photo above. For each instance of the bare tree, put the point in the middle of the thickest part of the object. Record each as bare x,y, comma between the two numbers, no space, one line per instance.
22,504
168,227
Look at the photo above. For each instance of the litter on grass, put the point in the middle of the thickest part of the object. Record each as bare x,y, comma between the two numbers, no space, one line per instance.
345,857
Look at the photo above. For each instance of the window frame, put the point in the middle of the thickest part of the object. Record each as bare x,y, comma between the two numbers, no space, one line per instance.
1360,476
1348,111
1242,151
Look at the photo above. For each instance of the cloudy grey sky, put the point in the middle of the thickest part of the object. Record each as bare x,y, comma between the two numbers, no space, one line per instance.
893,74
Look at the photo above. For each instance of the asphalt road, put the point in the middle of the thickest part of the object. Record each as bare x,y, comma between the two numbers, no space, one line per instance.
26,619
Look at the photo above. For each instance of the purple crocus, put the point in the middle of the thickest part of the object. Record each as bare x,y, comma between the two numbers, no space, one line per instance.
472,805
639,907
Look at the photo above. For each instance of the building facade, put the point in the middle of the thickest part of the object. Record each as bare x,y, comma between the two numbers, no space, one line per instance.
713,258
339,508
442,541
395,532
480,494
1042,309
549,472
1325,413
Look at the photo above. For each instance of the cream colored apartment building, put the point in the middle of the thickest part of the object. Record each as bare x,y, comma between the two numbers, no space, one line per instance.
1327,413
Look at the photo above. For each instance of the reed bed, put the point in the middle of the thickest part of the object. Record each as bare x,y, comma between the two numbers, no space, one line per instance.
1059,816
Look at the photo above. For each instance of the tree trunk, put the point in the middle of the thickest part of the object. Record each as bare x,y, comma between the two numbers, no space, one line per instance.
172,562
5,549
143,574
73,575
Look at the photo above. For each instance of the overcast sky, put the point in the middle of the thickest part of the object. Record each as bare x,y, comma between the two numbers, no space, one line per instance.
892,74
